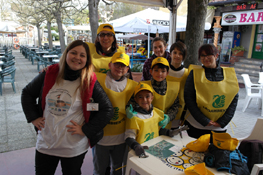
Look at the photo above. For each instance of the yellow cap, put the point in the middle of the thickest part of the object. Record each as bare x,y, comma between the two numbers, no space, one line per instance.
197,170
107,28
160,60
121,57
224,141
199,145
141,87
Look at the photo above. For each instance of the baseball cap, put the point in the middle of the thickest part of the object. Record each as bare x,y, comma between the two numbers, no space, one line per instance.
108,27
121,57
224,141
199,145
160,60
141,87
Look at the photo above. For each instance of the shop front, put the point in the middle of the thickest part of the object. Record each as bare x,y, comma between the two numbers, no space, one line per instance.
253,19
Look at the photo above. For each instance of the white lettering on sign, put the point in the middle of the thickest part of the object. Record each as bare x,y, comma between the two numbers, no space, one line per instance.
243,18
161,22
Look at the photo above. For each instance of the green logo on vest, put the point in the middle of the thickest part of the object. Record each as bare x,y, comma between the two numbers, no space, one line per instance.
116,114
104,70
149,136
219,101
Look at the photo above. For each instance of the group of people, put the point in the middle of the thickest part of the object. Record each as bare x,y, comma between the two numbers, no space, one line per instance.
89,100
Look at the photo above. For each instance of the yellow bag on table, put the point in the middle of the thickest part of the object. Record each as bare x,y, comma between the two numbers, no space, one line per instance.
198,169
224,141
199,145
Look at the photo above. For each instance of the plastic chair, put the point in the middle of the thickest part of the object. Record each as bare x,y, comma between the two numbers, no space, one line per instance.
250,86
8,76
260,81
256,131
256,169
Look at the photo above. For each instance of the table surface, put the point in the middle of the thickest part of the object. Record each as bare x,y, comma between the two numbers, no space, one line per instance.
55,60
42,52
154,165
50,56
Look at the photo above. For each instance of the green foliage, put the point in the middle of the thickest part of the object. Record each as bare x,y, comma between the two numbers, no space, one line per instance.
124,9
56,36
211,7
137,68
238,48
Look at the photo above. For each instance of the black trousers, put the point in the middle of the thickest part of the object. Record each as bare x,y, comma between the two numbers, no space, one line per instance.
47,165
196,133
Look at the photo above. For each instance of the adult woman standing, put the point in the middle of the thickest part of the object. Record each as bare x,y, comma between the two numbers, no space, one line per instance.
104,48
67,117
211,94
159,47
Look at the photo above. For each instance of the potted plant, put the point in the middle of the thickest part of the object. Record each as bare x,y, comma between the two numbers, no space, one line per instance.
238,51
136,71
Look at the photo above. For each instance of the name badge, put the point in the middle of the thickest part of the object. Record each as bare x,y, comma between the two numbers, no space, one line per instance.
93,107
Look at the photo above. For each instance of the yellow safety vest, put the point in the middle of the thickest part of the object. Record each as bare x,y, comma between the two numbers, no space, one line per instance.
146,129
182,81
100,62
164,102
118,100
214,97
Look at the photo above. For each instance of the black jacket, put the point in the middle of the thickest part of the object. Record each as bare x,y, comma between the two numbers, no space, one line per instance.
190,98
98,119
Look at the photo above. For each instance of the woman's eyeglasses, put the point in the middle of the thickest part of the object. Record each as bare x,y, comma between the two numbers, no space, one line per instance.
106,34
206,56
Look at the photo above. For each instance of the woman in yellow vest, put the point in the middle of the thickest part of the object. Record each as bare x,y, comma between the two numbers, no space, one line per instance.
211,94
178,73
104,48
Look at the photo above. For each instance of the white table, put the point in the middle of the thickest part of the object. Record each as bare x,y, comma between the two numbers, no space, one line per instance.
50,57
153,165
55,60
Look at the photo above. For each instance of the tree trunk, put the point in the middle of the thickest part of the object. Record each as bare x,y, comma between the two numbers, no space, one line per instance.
60,31
49,35
194,34
94,18
38,34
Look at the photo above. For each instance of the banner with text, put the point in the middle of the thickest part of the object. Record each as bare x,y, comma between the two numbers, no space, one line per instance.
242,18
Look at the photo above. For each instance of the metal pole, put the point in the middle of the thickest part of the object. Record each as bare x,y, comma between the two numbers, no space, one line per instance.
149,41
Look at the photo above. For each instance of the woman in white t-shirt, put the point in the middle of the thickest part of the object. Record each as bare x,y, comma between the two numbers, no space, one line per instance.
71,112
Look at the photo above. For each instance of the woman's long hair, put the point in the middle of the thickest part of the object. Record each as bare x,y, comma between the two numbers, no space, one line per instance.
86,72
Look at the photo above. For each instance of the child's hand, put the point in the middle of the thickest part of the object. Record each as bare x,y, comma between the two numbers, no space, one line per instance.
165,121
130,112
139,150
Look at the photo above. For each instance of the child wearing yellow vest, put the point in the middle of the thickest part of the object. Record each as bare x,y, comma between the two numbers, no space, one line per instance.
179,73
143,126
119,90
165,92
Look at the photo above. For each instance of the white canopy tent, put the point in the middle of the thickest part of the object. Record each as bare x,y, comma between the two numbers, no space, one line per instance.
134,37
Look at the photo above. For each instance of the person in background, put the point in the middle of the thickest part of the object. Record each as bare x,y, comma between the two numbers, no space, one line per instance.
110,150
214,110
145,120
71,112
159,47
179,73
